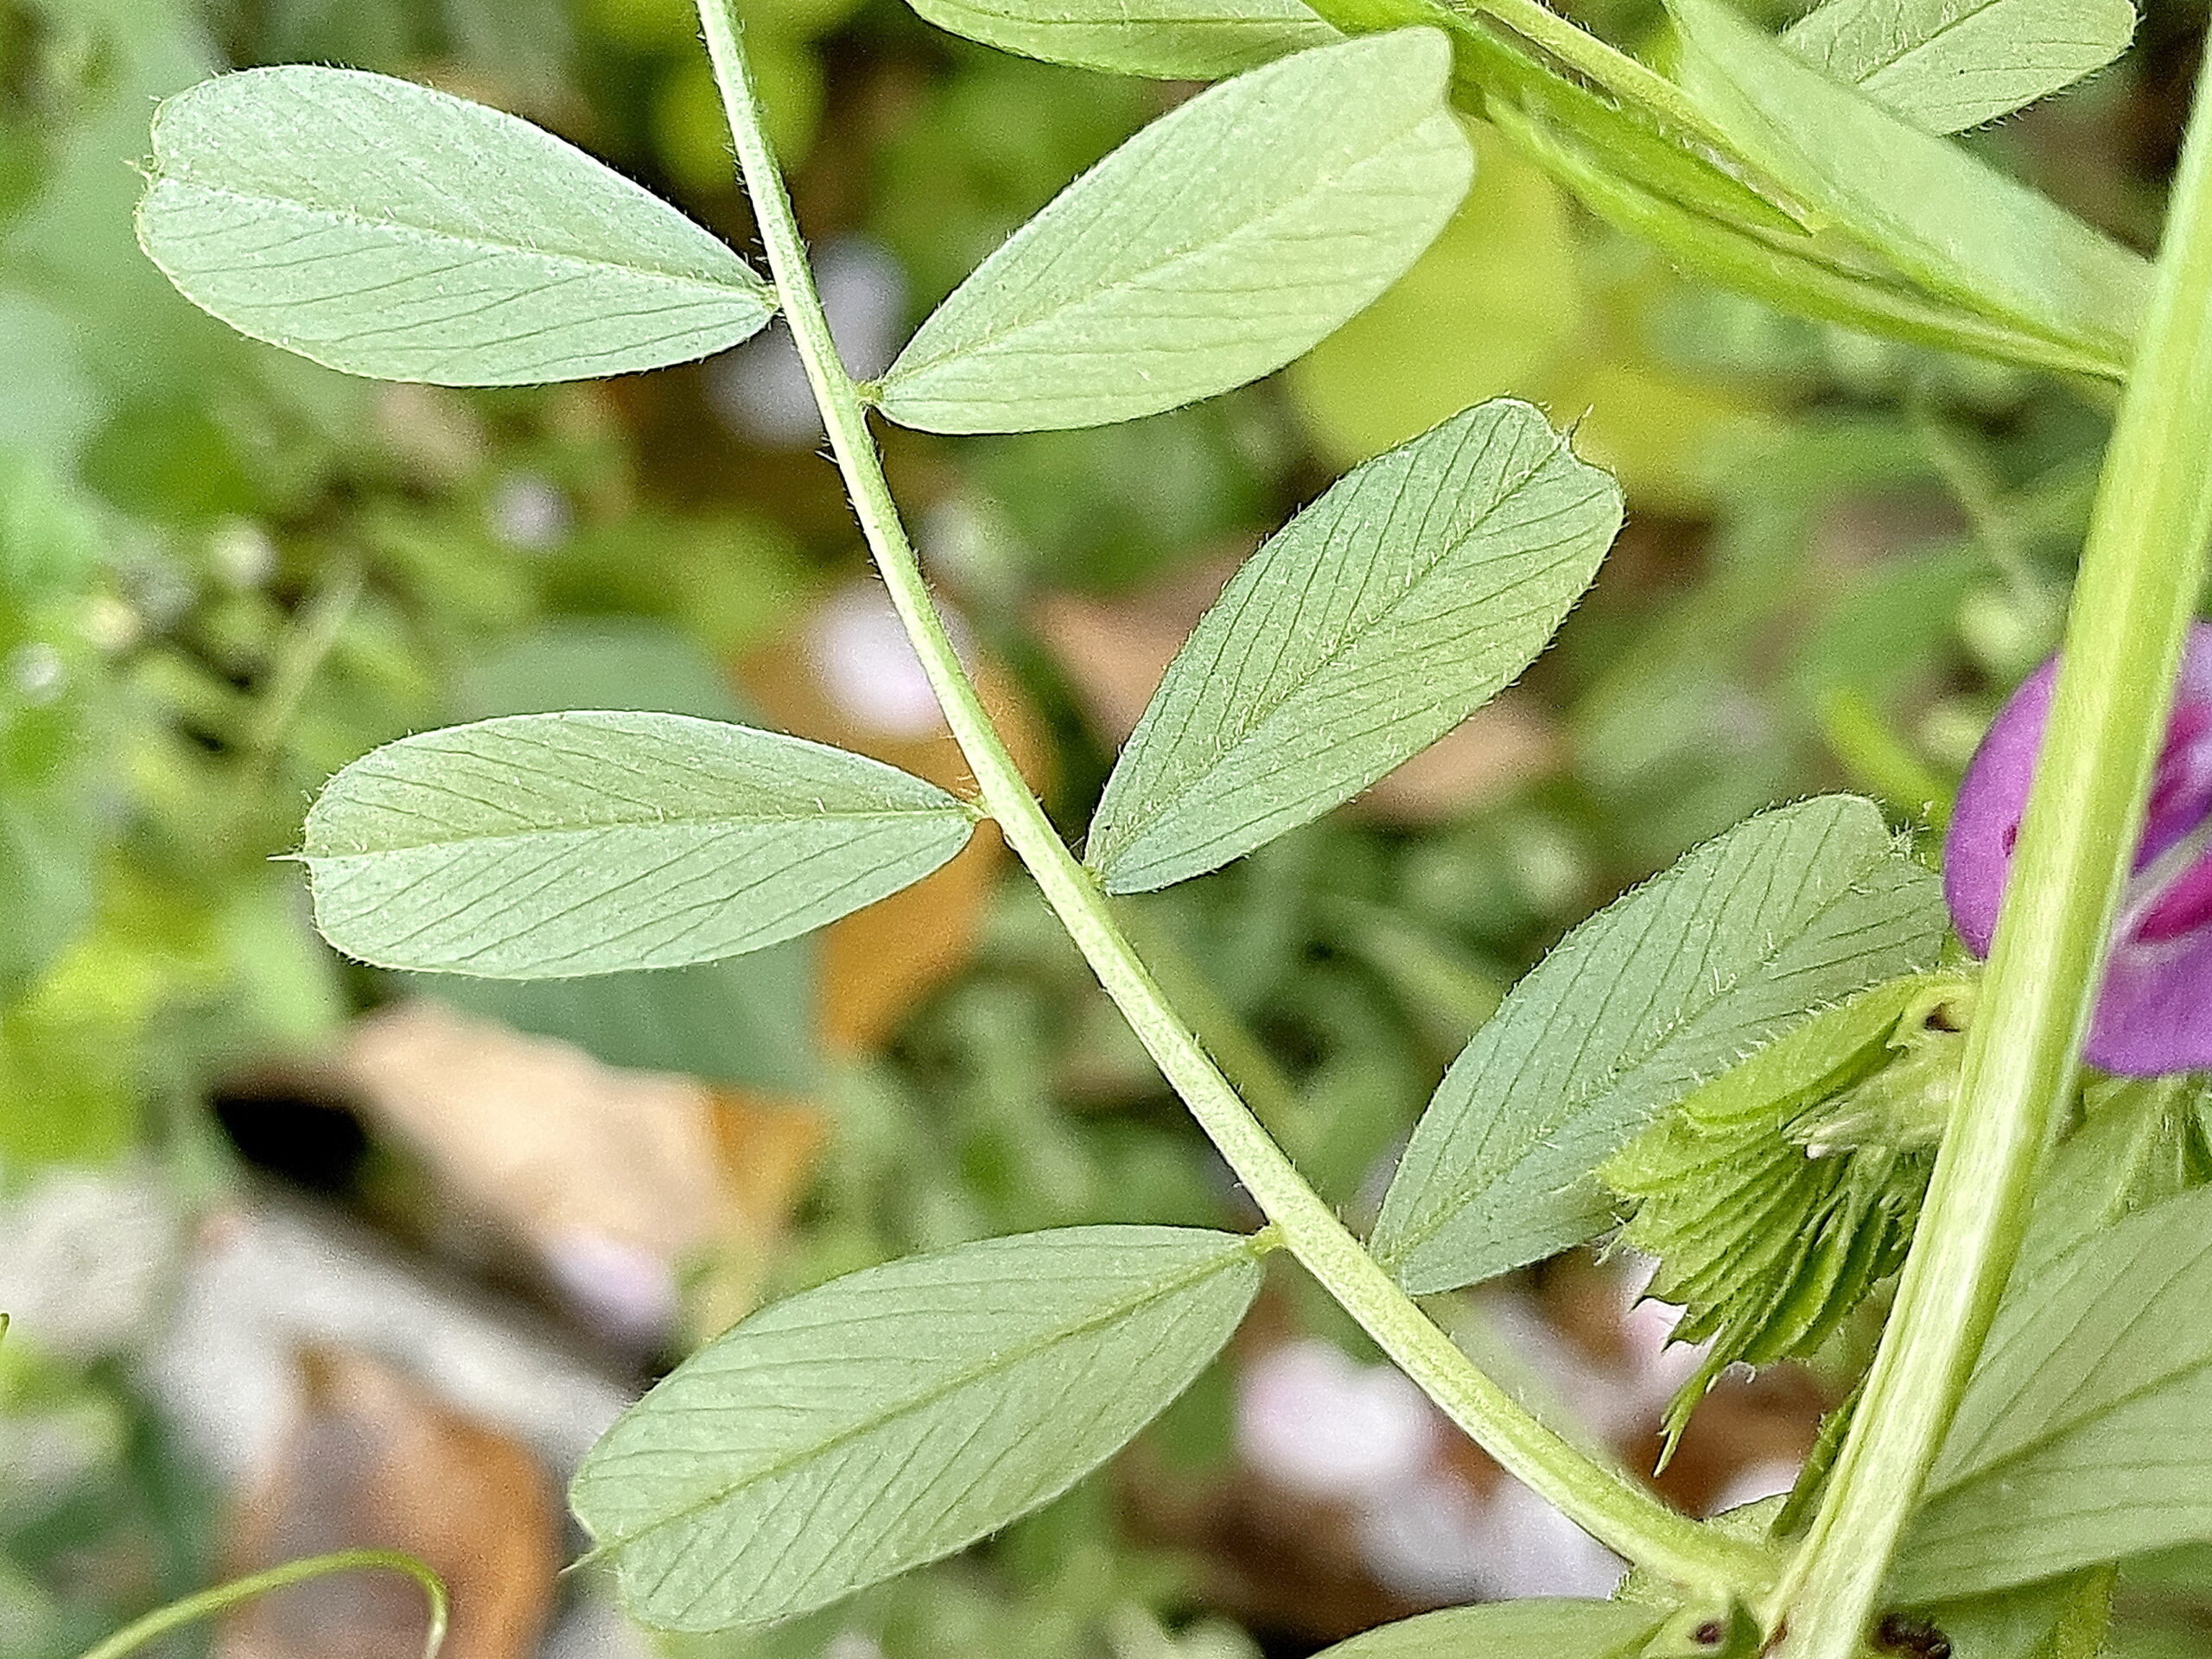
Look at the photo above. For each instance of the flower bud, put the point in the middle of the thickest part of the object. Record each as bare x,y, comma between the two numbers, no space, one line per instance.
1778,1195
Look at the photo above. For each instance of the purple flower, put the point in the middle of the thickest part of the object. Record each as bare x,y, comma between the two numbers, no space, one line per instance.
2155,1012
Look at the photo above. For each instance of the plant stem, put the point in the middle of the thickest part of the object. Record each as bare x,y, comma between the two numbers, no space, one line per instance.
1621,1515
207,1603
2142,571
1240,1057
1633,82
1967,476
306,647
1634,85
1789,279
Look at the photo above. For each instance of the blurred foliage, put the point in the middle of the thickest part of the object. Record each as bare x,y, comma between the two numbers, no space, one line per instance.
224,573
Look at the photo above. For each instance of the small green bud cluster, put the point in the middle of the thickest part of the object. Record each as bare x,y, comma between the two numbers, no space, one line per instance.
1778,1195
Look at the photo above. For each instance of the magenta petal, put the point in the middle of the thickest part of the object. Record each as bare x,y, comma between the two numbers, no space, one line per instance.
2181,909
2154,1012
1985,819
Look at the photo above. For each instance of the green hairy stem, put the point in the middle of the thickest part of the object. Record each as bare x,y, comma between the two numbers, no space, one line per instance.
1622,1516
2142,572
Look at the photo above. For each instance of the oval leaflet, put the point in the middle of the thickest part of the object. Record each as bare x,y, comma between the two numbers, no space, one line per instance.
386,230
899,1414
543,846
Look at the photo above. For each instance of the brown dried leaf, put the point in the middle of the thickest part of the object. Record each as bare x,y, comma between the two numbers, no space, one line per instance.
769,1147
615,1178
375,1461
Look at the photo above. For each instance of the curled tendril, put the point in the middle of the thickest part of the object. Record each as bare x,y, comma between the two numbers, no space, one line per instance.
222,1597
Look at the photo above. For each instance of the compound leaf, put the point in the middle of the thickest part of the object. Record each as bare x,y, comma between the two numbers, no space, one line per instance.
1212,248
895,1415
1380,618
2080,1439
1947,65
1540,1629
1946,221
540,845
1666,988
1172,40
387,229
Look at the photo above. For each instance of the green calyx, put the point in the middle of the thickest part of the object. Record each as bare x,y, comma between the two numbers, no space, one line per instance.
1902,1103
1778,1195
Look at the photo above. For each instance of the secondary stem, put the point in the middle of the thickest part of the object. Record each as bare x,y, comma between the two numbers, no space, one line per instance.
1969,480
1623,1516
1633,82
222,1597
2142,571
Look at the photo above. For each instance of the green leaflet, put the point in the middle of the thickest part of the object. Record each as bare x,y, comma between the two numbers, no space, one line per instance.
387,229
1657,994
1538,1629
540,845
2142,1141
895,1415
2080,1439
1779,1194
1218,243
1174,40
1955,226
1947,65
747,1020
1380,618
2065,1618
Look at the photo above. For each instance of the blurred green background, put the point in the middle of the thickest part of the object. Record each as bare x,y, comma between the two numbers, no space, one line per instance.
255,1203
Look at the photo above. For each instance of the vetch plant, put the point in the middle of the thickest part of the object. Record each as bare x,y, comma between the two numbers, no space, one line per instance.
1760,1064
